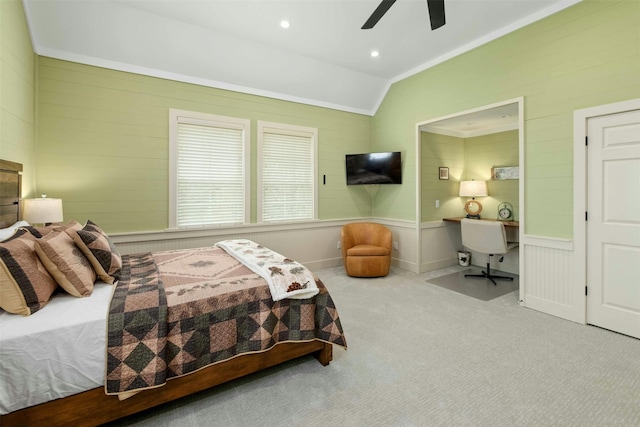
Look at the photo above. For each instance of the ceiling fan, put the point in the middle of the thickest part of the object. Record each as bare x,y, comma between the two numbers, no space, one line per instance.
436,13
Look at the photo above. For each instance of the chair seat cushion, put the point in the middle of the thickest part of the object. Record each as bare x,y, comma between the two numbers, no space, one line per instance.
367,250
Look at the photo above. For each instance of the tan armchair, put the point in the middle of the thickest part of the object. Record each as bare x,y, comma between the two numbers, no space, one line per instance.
366,249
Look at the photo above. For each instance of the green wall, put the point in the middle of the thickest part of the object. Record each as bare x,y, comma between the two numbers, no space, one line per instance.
17,89
586,55
441,151
482,153
103,142
102,134
467,159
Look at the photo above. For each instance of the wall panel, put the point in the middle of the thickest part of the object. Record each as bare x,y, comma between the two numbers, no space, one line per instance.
17,93
103,143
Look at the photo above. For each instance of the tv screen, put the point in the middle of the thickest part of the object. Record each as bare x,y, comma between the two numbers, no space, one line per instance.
374,168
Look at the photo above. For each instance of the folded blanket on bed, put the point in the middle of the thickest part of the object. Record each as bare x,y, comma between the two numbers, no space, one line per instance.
286,278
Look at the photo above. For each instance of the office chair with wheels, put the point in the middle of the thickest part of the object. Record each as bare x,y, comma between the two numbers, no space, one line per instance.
488,237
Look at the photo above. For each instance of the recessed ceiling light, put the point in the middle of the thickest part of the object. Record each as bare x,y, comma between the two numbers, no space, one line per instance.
375,53
285,24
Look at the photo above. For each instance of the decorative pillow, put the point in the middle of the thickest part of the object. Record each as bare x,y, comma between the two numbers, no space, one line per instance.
5,233
66,263
43,231
25,284
101,252
39,232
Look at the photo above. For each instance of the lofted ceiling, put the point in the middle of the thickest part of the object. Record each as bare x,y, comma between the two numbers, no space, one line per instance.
323,58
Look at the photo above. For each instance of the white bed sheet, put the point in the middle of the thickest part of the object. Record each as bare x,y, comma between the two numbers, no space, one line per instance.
56,352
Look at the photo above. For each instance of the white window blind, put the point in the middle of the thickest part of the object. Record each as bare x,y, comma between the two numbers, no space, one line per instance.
287,186
210,170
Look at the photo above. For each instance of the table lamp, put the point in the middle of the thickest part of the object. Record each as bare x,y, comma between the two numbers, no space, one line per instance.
42,210
473,189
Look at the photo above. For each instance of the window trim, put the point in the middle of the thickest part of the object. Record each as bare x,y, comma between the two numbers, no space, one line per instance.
293,130
177,116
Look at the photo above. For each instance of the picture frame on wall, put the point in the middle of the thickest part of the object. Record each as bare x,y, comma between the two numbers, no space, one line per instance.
507,172
443,172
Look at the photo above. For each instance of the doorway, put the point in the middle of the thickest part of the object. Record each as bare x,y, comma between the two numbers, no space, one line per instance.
506,116
609,247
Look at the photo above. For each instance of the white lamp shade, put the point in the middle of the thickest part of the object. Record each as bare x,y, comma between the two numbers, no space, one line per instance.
42,211
473,188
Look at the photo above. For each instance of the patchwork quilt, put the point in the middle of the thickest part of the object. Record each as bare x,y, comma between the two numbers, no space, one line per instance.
175,312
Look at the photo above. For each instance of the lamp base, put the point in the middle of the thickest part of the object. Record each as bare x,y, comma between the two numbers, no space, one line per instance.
473,208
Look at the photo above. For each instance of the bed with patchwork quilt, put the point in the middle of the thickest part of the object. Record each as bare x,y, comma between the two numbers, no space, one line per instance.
176,312
88,336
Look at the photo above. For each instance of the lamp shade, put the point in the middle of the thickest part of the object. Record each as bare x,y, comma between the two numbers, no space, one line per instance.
42,211
473,188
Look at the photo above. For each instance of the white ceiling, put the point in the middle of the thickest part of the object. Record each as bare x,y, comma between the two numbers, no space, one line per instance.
322,59
482,121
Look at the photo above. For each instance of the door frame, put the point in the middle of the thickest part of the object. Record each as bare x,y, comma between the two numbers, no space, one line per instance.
580,119
519,101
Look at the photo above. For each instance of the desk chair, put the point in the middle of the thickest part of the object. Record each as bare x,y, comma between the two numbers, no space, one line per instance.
487,237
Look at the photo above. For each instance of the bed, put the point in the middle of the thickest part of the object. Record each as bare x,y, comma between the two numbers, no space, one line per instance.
73,391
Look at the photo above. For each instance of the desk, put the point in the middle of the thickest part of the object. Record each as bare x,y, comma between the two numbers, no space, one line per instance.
514,224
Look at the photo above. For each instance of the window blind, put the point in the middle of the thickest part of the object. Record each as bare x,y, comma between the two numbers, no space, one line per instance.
287,176
210,185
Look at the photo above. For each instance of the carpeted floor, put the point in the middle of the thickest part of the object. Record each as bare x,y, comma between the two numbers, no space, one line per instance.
422,355
475,287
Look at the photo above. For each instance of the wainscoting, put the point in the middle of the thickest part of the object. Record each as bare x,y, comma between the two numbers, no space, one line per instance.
314,244
550,282
546,266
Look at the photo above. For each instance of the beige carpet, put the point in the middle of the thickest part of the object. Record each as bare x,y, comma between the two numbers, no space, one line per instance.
421,355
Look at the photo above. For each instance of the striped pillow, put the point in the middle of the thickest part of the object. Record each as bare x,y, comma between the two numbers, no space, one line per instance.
66,263
25,284
101,252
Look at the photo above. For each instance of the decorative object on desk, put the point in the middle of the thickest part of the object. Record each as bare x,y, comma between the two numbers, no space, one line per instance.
505,211
42,210
443,173
473,189
505,172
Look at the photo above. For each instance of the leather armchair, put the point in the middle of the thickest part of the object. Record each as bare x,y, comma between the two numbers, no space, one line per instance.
366,249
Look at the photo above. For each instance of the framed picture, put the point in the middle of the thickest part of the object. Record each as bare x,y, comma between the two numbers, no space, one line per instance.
444,173
508,172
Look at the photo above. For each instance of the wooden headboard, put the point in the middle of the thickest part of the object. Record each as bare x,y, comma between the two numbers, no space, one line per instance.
10,192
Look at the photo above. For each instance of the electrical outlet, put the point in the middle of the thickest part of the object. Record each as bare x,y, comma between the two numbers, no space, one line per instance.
395,245
339,245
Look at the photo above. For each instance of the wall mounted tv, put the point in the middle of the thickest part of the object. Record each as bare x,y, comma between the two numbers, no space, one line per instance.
374,168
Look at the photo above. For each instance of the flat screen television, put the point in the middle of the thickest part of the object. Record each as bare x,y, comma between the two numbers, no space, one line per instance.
374,168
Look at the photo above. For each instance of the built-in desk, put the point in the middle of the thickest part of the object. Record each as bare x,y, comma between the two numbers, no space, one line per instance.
457,220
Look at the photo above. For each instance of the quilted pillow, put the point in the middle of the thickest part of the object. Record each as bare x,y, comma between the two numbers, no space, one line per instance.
43,231
101,252
66,263
25,284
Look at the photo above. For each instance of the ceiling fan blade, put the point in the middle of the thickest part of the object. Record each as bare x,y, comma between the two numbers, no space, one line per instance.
436,13
378,14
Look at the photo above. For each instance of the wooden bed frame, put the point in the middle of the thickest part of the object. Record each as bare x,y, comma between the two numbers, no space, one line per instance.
94,407
10,192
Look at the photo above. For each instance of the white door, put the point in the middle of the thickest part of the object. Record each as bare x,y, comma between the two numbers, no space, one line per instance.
613,225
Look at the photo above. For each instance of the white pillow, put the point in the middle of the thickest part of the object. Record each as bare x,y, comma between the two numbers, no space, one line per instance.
5,233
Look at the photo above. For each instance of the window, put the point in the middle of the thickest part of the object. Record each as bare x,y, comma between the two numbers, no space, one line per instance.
287,188
208,168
